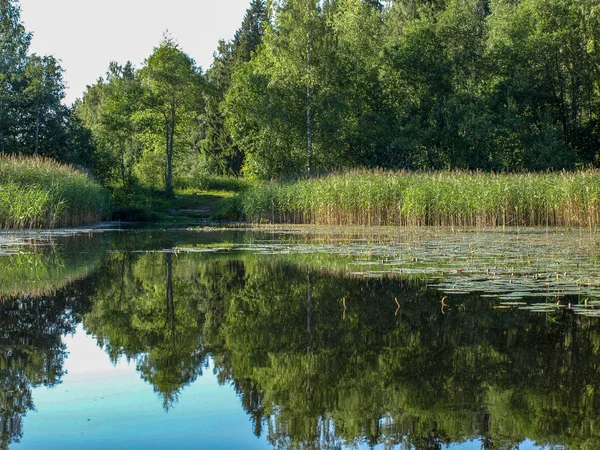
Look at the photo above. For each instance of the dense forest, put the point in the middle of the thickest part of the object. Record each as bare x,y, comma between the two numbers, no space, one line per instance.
309,86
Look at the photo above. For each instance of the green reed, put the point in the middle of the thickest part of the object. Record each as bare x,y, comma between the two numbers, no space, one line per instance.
42,193
466,199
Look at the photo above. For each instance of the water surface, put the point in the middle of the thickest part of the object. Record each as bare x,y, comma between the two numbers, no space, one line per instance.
299,338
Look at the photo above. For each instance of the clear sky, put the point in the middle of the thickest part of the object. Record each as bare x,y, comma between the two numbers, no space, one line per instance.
87,34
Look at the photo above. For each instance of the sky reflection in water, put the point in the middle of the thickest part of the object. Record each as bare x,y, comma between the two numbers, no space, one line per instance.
100,405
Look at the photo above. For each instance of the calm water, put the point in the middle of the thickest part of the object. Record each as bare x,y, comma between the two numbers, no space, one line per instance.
237,339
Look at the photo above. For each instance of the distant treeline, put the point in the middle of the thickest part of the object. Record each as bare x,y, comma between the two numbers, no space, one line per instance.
319,86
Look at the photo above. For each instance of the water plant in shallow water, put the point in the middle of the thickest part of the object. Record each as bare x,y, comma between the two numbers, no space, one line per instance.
457,199
507,265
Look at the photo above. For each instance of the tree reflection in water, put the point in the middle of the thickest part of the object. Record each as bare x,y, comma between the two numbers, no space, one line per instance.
312,374
32,352
319,359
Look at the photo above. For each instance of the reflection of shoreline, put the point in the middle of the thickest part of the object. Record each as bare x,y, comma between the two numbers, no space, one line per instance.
50,287
330,348
42,267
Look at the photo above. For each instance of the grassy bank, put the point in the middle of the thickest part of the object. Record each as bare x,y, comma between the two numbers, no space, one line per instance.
208,197
441,198
41,193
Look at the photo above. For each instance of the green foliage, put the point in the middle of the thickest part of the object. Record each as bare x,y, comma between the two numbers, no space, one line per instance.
33,121
219,154
499,86
144,123
37,193
14,45
274,99
462,84
325,86
217,183
108,110
172,101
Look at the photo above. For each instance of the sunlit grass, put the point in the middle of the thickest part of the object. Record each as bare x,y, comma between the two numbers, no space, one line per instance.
212,183
41,193
468,199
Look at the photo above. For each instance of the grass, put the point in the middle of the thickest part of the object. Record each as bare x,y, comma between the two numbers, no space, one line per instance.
465,199
149,205
42,193
216,183
212,197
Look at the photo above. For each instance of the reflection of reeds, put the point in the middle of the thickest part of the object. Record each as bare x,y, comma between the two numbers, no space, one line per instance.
460,199
32,270
38,192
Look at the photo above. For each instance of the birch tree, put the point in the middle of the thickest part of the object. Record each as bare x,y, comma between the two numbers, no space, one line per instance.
173,86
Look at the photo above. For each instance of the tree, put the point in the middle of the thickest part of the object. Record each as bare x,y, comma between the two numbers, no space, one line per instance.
358,108
173,88
249,36
43,94
273,101
109,110
218,149
545,59
33,119
14,45
148,316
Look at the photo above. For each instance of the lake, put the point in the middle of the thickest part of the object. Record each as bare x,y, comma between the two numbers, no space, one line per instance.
300,337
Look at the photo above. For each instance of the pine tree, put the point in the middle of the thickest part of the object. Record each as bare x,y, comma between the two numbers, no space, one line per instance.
249,36
220,154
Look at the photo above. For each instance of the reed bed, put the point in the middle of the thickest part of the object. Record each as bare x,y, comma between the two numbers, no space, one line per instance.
42,193
455,199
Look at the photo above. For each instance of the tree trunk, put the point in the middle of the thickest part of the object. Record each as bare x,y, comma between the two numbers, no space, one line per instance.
122,290
167,141
122,150
170,305
37,131
170,144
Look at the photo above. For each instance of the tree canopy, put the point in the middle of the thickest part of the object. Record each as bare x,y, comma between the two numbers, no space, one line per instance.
33,120
495,85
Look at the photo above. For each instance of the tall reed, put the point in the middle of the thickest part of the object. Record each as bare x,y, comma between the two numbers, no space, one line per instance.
465,199
42,193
